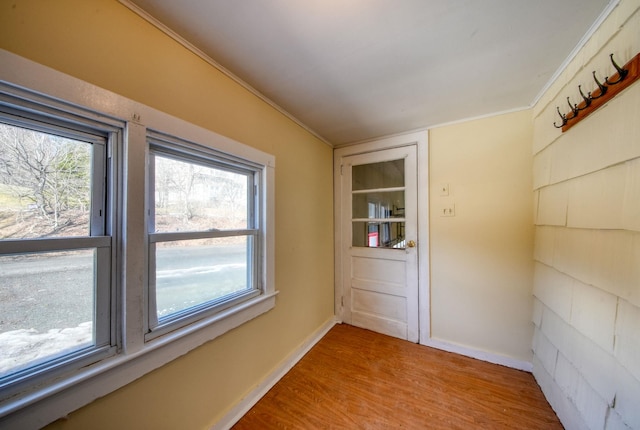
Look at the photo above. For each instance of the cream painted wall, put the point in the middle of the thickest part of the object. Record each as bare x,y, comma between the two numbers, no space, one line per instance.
587,245
102,42
481,264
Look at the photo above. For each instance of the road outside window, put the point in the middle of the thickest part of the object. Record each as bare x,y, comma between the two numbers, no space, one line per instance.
202,235
47,299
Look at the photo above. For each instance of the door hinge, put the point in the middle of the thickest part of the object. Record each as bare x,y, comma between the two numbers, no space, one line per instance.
342,301
341,166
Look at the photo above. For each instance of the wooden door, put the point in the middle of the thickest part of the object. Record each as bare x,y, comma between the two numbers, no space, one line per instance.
379,233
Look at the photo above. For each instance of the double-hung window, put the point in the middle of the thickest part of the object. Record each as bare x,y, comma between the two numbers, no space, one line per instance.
128,238
203,232
56,283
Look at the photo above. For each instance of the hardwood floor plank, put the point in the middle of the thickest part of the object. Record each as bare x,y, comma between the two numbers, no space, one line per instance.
358,379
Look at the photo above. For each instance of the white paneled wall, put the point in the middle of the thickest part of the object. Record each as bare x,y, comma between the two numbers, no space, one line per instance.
587,245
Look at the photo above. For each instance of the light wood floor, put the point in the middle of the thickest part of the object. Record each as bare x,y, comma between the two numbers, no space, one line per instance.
357,379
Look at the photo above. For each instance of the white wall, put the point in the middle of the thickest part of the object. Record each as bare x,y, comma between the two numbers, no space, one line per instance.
104,43
481,265
587,244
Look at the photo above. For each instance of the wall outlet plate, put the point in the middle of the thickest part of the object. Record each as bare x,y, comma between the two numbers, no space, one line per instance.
449,210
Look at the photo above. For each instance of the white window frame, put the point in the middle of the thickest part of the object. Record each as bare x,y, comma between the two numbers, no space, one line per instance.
105,138
177,149
135,355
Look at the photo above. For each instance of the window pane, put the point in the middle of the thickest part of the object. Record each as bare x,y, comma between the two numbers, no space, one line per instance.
193,272
192,197
389,204
46,307
379,235
45,184
387,174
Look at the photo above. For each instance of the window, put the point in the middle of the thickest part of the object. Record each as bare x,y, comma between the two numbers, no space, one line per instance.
122,246
204,237
56,294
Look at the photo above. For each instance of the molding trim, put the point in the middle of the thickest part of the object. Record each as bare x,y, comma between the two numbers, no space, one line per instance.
196,51
251,398
427,128
189,46
480,355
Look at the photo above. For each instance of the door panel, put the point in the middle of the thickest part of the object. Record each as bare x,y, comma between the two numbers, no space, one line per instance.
384,271
379,227
380,325
379,287
384,305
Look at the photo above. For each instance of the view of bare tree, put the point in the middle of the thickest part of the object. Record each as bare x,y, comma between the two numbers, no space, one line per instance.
175,178
48,173
198,196
47,298
45,188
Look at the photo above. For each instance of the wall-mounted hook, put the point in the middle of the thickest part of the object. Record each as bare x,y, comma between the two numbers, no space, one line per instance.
622,73
574,108
625,76
603,88
563,117
587,98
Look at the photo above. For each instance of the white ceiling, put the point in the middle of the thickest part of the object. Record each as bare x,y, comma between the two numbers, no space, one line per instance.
351,70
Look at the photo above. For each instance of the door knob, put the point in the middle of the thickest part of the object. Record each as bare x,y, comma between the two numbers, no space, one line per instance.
411,244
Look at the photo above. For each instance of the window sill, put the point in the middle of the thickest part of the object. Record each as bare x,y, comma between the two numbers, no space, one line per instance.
38,408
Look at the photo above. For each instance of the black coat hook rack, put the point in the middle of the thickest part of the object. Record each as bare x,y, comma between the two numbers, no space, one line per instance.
624,76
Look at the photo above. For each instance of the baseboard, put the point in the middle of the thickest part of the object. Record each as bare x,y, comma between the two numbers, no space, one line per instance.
480,355
237,412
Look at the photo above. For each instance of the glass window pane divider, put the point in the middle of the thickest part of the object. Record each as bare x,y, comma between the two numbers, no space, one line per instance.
21,246
103,303
98,189
177,148
54,125
151,192
187,235
378,190
197,159
253,256
152,306
53,367
211,310
373,220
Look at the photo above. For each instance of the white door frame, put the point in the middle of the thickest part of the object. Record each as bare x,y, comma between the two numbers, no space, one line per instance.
420,140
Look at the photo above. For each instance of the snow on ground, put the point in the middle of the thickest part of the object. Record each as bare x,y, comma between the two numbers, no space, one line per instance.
27,347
